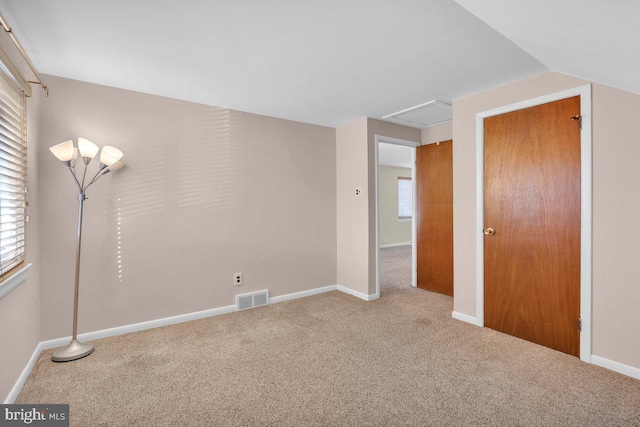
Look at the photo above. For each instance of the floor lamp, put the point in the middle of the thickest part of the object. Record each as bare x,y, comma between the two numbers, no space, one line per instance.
109,162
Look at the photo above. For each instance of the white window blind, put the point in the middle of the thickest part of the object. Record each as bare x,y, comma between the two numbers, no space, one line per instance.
405,198
13,173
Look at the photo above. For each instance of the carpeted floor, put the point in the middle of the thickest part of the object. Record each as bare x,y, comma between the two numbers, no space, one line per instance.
395,270
334,360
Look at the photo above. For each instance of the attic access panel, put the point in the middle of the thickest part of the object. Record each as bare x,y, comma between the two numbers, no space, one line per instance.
423,115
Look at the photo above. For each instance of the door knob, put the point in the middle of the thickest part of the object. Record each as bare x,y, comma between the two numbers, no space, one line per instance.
489,231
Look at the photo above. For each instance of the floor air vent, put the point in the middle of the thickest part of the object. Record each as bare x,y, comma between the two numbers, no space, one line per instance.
254,299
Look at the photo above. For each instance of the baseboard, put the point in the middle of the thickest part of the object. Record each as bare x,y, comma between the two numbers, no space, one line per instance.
358,294
302,294
393,245
621,368
143,326
13,394
465,318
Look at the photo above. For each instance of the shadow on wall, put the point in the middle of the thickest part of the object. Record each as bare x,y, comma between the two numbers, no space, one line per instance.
200,175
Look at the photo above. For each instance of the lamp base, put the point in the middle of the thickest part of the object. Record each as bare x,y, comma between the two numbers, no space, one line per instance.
72,351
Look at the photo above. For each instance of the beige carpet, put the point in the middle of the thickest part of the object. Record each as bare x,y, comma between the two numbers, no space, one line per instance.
334,360
395,270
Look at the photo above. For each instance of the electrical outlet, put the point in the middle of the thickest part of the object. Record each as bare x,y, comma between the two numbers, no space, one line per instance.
358,191
237,279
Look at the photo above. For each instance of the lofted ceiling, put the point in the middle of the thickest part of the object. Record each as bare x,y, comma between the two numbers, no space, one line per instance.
324,62
593,39
329,62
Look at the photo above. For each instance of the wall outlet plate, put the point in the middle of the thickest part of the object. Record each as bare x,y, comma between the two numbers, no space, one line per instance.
237,279
358,191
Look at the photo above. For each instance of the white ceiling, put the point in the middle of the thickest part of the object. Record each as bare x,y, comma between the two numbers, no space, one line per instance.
325,62
394,155
328,62
593,39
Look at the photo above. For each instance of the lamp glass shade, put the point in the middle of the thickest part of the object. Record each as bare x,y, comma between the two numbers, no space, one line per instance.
110,155
117,165
63,151
87,148
74,157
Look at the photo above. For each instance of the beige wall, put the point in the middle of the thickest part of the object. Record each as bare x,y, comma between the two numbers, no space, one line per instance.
206,193
616,215
616,207
352,211
20,309
356,165
437,133
209,192
392,230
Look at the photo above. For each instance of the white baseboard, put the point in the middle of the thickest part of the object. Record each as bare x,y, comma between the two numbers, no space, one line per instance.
393,245
302,294
13,394
465,318
136,327
142,326
621,368
358,294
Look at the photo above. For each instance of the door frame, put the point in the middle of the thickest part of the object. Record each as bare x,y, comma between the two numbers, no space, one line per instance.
414,266
586,207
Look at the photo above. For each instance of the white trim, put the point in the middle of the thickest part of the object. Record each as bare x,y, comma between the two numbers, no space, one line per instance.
414,263
151,324
302,294
405,219
45,345
586,224
414,229
13,394
479,220
585,211
173,320
14,280
393,245
142,326
465,318
621,368
358,294
396,141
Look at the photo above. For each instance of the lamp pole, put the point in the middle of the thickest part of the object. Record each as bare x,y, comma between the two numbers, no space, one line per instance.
109,161
81,199
75,349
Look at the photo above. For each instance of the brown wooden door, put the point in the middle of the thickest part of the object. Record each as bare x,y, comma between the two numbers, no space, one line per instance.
434,217
532,201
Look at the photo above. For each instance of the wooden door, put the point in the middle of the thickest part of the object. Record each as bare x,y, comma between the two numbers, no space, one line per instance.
532,201
434,217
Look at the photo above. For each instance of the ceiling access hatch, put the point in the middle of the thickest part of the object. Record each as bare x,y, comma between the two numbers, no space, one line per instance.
423,115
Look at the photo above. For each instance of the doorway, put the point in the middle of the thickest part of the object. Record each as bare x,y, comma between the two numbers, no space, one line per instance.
583,264
396,182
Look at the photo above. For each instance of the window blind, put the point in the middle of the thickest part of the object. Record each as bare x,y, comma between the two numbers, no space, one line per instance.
13,173
405,198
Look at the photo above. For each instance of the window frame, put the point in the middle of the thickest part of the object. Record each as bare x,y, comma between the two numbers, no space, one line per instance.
400,217
12,79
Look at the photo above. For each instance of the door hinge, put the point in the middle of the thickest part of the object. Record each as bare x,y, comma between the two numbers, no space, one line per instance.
580,324
579,120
